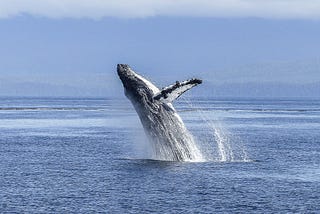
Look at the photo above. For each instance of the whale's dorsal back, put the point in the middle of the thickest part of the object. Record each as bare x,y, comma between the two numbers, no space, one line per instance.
172,92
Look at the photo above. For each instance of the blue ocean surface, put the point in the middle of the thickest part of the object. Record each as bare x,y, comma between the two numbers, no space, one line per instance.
89,155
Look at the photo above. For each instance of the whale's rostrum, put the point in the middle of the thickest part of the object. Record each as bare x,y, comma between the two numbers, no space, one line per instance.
163,126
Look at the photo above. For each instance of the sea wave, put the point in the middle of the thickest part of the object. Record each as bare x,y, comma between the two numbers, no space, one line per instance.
51,109
249,110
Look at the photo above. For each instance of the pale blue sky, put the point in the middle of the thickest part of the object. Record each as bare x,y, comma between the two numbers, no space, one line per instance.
78,55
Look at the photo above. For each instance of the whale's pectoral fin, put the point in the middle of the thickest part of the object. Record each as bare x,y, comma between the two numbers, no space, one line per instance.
172,92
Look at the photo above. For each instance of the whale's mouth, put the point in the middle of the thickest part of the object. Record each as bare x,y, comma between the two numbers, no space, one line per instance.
124,72
132,81
128,78
122,69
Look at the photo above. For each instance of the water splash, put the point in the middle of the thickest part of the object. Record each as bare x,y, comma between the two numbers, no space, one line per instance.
229,148
216,142
210,142
182,144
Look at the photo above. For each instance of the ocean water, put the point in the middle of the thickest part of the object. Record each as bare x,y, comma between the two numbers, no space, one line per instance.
76,155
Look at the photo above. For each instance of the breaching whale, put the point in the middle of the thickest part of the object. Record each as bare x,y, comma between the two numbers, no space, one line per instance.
163,126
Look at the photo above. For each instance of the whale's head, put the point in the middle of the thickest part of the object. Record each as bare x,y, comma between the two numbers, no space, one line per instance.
136,87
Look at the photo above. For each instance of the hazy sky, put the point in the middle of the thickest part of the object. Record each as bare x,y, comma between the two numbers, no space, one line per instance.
72,47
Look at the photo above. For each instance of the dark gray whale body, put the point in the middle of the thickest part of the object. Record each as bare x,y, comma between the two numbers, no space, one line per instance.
163,126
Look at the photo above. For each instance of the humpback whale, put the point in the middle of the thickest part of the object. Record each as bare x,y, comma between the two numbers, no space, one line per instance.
163,126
